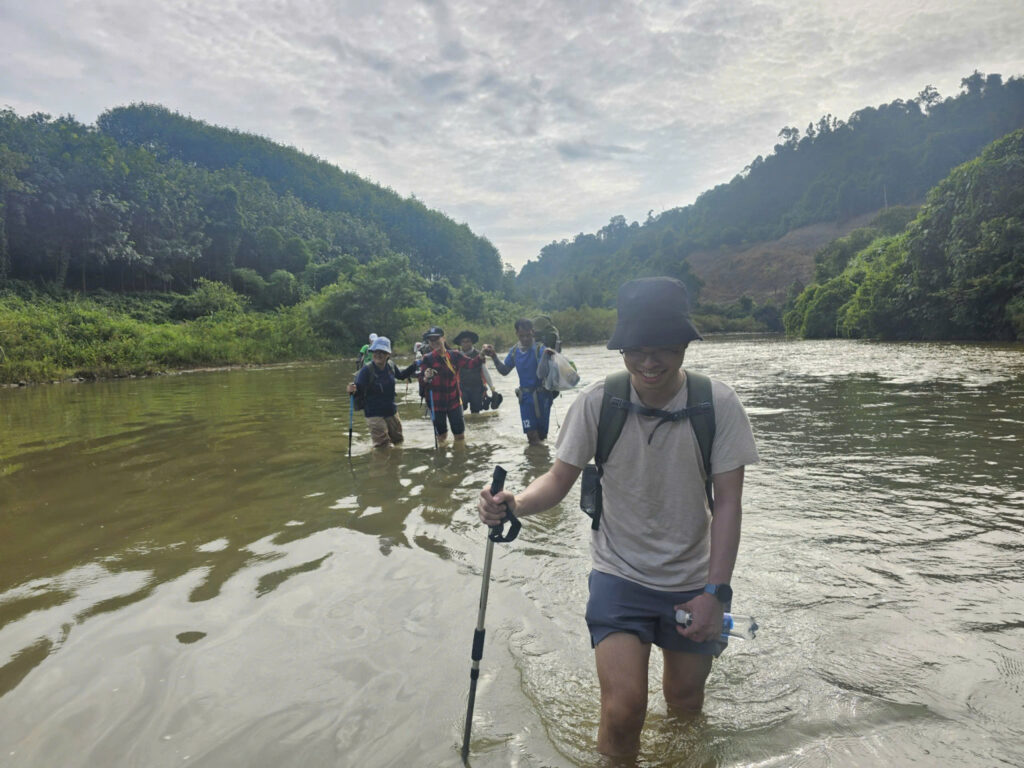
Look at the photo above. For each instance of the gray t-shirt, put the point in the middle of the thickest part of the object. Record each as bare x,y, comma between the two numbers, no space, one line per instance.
655,527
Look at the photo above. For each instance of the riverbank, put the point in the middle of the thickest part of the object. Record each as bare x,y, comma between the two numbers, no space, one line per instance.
108,336
52,340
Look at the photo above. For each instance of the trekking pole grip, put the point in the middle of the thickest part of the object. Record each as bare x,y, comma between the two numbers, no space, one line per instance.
498,531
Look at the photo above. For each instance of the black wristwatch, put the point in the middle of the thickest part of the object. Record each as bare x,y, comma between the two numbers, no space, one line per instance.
721,591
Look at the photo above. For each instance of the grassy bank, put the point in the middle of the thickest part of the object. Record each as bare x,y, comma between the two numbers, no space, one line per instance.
45,339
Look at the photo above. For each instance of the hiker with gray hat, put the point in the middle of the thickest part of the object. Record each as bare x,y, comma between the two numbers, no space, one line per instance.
374,389
655,546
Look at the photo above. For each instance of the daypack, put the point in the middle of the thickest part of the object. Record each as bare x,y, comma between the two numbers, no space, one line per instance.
615,406
360,397
546,333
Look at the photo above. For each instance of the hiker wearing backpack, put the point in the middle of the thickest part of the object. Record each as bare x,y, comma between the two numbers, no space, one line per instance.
365,354
530,360
655,546
441,368
374,391
475,382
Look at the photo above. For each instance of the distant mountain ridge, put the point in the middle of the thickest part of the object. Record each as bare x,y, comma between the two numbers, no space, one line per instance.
832,174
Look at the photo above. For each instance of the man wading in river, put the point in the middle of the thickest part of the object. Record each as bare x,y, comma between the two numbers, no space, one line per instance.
657,546
374,388
530,360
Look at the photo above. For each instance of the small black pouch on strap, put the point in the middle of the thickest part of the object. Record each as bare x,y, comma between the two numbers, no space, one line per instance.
590,494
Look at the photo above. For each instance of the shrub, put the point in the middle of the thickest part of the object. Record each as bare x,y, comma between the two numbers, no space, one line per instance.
209,298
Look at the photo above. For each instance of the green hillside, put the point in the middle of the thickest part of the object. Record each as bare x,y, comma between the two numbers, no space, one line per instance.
148,199
956,272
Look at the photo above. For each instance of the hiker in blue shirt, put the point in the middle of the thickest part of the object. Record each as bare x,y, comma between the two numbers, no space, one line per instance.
530,361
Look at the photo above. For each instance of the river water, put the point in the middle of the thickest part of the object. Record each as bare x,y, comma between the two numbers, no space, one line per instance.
193,572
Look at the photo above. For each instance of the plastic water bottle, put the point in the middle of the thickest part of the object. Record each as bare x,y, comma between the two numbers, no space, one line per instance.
733,625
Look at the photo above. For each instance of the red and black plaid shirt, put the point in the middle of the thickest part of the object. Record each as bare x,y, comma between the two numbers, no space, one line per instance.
445,384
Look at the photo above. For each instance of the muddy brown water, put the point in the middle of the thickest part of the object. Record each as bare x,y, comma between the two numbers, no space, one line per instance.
192,572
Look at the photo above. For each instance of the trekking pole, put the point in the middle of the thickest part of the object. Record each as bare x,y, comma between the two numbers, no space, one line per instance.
351,413
433,424
497,533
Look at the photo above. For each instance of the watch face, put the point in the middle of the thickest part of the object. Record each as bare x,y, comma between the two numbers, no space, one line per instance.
722,591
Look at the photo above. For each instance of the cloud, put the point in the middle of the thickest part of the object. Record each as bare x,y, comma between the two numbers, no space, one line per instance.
530,121
584,150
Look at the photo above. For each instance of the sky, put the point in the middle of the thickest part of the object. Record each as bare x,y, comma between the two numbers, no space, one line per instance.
529,121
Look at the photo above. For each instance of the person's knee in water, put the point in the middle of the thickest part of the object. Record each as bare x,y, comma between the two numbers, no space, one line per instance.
528,359
374,387
441,368
655,547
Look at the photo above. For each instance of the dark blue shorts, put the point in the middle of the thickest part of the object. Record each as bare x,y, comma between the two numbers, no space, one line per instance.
620,605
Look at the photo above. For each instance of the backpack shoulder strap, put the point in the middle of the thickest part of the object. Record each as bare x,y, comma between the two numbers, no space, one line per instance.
612,419
701,407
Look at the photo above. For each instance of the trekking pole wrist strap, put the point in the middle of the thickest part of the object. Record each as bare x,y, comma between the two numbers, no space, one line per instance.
497,533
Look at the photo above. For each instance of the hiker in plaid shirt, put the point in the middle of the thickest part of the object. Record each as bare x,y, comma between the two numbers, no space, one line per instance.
441,373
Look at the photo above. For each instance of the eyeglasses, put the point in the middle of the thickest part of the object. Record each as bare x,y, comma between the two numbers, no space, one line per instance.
661,354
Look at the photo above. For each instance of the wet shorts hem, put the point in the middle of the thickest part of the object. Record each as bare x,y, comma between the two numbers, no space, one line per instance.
620,605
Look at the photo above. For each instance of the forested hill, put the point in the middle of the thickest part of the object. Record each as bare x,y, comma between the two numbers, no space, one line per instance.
956,272
833,171
149,199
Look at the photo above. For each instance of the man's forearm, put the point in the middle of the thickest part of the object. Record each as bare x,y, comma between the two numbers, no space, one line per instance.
725,526
547,490
500,367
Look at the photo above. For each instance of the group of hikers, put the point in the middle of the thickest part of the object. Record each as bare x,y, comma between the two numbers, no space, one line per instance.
669,447
451,381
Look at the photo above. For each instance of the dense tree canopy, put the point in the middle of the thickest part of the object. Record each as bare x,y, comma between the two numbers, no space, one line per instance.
149,199
957,271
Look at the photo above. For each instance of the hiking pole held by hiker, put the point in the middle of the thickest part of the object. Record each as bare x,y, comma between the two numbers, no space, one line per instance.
433,416
496,534
351,413
353,390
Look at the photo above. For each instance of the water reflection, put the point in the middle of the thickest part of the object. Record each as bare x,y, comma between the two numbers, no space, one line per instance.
218,516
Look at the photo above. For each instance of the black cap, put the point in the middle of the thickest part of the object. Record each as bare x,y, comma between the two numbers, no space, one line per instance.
653,312
433,330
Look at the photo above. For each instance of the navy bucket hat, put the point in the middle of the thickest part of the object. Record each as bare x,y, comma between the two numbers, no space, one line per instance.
653,312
